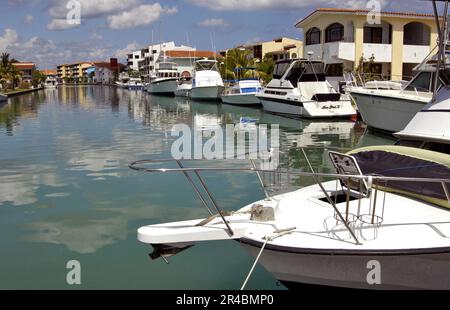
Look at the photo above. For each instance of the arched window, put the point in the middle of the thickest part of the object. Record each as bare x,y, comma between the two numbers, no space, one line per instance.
416,33
313,36
294,56
334,33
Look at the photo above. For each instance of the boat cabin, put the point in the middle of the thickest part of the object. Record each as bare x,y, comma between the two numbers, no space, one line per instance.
299,70
206,65
168,70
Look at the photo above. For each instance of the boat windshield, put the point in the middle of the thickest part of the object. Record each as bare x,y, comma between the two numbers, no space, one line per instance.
206,65
280,69
306,72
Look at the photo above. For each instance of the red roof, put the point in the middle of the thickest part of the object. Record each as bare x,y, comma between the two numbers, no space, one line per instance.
188,54
108,65
24,65
365,12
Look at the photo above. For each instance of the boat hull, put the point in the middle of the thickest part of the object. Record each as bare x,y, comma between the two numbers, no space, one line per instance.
397,271
328,109
241,99
164,87
386,113
207,92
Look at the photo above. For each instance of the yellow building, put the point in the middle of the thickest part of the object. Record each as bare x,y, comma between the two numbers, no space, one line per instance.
75,71
279,49
397,41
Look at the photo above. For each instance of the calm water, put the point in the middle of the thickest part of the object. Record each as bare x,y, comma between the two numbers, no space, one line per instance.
66,192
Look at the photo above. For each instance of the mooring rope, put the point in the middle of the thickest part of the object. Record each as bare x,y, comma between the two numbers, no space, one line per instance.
278,234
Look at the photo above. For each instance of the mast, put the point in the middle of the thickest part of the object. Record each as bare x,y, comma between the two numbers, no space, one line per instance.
442,32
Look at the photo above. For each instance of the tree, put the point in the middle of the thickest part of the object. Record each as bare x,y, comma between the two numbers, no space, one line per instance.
265,69
240,59
38,78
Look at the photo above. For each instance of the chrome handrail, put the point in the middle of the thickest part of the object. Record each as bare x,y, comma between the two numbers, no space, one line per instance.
134,166
372,179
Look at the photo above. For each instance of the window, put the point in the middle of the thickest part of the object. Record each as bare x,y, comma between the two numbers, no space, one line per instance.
154,51
280,69
334,33
421,82
136,56
313,36
373,35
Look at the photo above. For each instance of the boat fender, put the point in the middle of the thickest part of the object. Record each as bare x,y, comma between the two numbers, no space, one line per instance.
260,213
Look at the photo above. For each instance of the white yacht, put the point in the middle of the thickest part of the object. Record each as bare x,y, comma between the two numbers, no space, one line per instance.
382,223
207,83
299,88
135,84
51,82
123,80
391,106
166,80
243,91
184,87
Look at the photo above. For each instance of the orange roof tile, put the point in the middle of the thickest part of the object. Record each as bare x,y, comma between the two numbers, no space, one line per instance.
187,54
49,72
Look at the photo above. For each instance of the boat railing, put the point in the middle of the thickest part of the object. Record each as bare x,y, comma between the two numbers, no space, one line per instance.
375,183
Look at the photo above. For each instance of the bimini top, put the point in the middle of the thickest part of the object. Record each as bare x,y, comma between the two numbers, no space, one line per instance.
407,162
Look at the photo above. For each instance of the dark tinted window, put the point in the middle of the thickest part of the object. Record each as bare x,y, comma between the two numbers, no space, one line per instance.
421,82
313,36
334,33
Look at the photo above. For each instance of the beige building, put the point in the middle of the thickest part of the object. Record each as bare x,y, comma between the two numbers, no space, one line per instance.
340,37
75,71
279,49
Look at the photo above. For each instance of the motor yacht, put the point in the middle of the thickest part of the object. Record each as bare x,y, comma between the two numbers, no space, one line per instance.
207,83
243,91
299,88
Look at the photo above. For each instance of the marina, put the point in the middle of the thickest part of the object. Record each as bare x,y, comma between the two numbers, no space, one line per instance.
319,160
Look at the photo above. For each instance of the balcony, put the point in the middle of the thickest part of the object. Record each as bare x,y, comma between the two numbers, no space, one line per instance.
415,53
336,52
381,52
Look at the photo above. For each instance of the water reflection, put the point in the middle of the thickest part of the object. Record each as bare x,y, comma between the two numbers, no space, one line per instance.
64,176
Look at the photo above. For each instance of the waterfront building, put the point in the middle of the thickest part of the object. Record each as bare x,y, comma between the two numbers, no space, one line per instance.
278,49
396,43
107,72
26,70
75,71
152,55
186,59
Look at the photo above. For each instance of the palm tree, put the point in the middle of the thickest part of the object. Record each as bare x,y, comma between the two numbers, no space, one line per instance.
241,58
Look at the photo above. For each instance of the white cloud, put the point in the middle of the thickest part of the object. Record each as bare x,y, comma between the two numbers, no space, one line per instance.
60,24
29,19
214,23
8,39
123,52
92,9
139,16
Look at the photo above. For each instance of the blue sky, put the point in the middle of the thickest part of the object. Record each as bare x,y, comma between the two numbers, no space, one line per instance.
36,30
